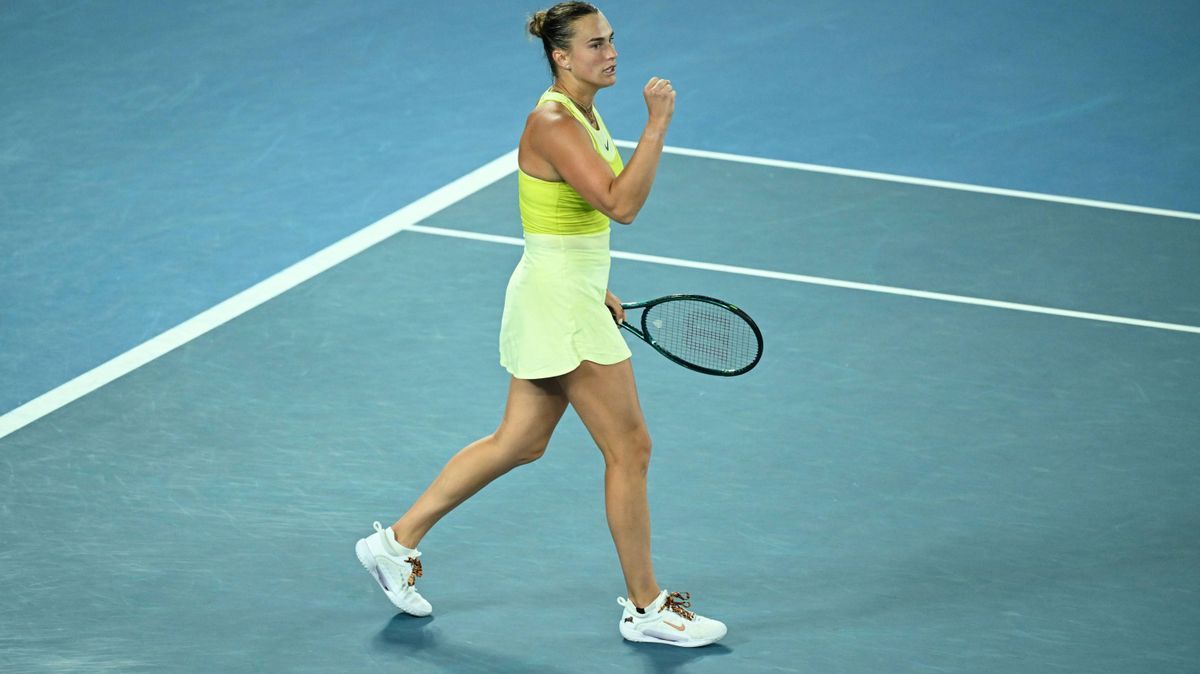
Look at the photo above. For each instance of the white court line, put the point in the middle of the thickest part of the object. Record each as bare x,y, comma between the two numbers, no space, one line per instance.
925,182
406,217
257,294
834,283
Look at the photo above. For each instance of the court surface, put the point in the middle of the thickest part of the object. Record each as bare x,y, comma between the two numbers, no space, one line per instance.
902,483
971,444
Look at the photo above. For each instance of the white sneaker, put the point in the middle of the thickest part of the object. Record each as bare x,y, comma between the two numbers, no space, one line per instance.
667,621
396,569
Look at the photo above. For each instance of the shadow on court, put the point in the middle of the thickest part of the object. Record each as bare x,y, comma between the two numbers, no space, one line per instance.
409,639
666,659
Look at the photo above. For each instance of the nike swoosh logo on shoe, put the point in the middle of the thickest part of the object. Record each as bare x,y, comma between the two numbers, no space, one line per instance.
382,580
674,626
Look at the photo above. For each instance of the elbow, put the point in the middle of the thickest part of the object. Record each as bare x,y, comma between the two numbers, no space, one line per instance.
622,215
618,207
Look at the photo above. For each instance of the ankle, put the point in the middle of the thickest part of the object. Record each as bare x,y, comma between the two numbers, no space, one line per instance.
644,600
403,538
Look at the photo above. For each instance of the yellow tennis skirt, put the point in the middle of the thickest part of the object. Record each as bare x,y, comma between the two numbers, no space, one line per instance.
554,313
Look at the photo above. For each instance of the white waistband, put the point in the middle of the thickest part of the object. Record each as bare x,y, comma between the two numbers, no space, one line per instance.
587,242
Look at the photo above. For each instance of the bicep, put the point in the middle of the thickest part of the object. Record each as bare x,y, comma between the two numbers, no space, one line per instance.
568,148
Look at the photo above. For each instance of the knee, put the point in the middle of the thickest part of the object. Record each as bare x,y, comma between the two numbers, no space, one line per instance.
522,450
532,452
631,453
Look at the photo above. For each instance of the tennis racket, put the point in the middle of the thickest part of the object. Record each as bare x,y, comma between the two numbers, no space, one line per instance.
700,333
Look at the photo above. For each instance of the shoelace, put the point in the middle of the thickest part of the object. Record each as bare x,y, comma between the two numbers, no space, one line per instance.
416,571
679,603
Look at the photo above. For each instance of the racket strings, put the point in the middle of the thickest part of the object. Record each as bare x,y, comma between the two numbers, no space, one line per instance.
704,334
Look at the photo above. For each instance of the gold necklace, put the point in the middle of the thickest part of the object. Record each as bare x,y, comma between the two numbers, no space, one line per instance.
586,112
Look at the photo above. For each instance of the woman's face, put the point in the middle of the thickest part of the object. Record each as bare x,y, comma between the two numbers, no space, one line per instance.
592,58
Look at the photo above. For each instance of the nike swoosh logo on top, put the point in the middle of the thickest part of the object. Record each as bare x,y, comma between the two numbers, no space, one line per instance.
606,148
673,625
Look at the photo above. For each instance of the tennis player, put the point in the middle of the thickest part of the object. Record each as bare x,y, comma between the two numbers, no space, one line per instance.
559,337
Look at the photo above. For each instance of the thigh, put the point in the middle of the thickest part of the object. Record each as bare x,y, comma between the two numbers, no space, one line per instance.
532,411
606,399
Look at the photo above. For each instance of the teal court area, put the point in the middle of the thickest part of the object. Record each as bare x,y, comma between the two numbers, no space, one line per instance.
903,484
971,446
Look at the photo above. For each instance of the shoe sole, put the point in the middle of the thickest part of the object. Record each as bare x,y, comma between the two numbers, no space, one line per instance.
639,637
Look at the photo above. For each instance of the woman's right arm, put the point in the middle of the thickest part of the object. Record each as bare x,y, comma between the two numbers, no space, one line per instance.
566,146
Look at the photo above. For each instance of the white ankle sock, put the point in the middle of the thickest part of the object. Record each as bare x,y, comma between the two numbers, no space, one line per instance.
390,537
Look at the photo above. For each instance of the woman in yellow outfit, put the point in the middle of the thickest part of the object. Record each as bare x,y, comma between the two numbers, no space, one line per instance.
559,337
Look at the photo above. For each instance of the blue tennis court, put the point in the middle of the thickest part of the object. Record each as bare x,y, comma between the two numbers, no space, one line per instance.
252,282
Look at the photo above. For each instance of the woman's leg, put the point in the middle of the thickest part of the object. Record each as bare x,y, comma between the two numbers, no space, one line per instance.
533,409
605,397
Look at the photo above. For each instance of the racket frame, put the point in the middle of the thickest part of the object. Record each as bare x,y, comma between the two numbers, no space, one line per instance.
646,335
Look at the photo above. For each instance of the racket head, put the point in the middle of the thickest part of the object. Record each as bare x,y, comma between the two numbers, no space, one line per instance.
701,333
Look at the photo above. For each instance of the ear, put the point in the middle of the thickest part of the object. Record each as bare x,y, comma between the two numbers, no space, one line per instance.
560,59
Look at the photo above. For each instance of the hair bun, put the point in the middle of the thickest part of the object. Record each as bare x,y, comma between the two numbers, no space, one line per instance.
536,22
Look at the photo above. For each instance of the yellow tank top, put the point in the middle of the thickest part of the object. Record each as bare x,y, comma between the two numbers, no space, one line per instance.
549,207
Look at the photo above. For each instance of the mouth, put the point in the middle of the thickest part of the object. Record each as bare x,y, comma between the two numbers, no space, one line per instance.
611,70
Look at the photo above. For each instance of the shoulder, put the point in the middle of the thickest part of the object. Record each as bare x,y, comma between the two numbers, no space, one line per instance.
551,130
550,117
